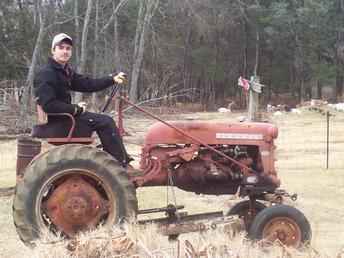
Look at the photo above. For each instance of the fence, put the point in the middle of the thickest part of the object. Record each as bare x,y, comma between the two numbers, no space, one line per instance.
10,91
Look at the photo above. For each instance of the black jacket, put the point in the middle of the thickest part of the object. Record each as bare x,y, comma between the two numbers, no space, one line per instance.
53,84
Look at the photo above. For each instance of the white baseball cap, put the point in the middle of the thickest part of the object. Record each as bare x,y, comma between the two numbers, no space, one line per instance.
59,38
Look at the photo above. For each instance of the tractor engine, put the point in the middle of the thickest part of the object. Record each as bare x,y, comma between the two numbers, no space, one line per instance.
229,153
195,168
208,167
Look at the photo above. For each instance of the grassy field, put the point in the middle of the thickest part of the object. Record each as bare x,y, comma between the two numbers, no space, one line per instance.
301,165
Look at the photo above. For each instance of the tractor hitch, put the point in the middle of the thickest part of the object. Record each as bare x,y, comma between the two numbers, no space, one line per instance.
195,223
279,195
169,209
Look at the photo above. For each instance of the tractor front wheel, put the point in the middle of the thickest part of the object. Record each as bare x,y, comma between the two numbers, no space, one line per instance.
69,189
281,223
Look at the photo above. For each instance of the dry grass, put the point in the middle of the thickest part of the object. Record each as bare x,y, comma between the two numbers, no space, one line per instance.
301,165
138,242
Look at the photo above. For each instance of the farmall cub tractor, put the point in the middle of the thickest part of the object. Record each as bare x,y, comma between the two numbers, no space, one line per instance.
76,186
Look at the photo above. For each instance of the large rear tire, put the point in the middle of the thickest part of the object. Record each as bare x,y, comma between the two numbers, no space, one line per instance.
74,184
284,223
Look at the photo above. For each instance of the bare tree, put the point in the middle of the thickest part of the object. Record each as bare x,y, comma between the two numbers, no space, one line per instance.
117,7
84,52
95,49
117,56
339,56
146,12
28,89
77,31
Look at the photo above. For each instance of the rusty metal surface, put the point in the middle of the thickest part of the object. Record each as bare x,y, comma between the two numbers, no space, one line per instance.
72,140
75,205
163,209
279,196
210,132
185,218
283,229
204,133
208,135
229,224
27,149
202,174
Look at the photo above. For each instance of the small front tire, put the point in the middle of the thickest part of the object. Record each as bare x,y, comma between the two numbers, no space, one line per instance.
284,223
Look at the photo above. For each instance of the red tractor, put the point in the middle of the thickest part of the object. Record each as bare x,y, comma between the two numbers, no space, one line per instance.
76,186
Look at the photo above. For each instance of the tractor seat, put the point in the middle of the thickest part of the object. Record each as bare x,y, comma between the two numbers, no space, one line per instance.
62,128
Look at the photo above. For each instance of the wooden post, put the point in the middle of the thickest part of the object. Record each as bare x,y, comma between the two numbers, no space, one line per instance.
253,101
327,137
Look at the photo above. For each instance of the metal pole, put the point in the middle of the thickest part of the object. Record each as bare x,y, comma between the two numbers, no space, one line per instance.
327,137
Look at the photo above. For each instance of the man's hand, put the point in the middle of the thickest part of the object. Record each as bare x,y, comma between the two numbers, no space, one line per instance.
120,78
80,108
83,105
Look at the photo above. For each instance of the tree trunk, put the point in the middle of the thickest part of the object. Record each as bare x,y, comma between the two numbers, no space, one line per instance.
256,65
77,33
83,58
319,82
269,83
299,67
146,11
242,96
340,52
28,90
117,57
339,80
186,58
95,50
245,54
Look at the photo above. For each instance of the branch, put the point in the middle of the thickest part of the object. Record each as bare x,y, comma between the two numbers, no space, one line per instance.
171,96
242,7
196,14
60,22
118,7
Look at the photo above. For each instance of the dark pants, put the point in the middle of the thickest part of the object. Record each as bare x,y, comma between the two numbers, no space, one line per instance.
108,133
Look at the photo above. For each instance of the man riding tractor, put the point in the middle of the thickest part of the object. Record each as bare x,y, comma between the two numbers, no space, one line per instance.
76,186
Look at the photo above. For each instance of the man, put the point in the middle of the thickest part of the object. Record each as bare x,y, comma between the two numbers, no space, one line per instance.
53,84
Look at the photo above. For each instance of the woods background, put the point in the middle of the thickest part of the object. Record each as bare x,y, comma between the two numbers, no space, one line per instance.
193,49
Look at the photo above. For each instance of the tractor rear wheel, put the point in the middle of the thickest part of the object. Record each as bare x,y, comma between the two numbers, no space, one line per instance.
69,189
281,223
242,209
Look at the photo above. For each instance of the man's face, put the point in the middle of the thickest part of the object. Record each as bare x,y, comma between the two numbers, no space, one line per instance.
62,53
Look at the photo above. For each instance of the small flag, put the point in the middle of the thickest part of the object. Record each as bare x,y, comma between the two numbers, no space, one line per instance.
244,83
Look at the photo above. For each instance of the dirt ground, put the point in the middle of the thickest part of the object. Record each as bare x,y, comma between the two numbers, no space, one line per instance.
301,154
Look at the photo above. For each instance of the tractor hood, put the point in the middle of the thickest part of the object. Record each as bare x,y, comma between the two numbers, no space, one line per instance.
211,133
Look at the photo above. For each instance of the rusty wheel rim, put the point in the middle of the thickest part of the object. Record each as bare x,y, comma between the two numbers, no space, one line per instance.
58,179
284,230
